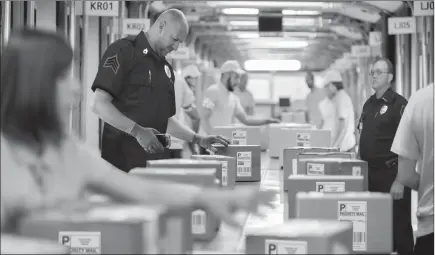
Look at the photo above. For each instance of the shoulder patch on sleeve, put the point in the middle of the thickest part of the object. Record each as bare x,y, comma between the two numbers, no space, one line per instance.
112,63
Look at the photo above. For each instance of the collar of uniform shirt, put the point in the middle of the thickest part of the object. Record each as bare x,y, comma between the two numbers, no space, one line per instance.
143,45
388,96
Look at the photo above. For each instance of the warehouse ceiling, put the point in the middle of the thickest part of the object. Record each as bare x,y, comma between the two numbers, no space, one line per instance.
315,33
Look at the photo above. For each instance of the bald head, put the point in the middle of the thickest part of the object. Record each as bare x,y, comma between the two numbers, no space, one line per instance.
169,30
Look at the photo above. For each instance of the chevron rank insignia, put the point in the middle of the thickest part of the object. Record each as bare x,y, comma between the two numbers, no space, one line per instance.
113,63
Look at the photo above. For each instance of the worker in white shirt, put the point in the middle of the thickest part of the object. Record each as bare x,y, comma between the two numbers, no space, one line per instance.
191,76
313,99
328,116
344,137
220,105
245,96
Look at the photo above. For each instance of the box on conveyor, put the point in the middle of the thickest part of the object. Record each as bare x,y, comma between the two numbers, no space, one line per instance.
114,229
334,166
264,137
300,236
228,174
11,244
322,183
240,134
277,141
320,155
294,117
205,225
290,155
248,160
371,214
183,163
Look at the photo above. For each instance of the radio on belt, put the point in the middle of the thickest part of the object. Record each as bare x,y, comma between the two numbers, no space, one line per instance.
371,214
188,164
240,135
205,226
248,160
334,166
276,136
321,183
300,236
114,229
228,174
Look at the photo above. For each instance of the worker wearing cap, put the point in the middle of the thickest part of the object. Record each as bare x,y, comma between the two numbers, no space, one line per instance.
245,96
135,97
380,118
220,104
344,135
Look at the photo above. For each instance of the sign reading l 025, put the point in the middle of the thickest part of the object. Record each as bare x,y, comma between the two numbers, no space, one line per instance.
401,25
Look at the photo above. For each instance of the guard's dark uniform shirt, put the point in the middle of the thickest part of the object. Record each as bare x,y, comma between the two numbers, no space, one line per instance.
378,125
142,86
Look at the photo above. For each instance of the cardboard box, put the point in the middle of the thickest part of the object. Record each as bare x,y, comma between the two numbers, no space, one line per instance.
371,214
183,163
248,160
300,236
321,155
290,154
21,245
240,134
334,166
322,183
264,137
294,117
205,225
277,141
114,229
227,175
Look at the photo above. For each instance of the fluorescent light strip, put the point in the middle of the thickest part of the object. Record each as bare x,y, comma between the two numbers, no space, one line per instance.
253,4
300,12
240,11
272,65
286,22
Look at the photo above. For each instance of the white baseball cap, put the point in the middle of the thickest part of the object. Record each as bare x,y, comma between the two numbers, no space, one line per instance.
191,71
333,76
231,66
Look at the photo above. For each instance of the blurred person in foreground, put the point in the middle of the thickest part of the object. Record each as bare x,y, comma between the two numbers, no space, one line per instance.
413,144
245,96
43,166
344,135
313,99
191,76
220,105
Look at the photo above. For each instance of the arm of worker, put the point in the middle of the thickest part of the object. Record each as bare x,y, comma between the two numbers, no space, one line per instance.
209,103
251,105
189,103
244,118
341,110
405,145
180,131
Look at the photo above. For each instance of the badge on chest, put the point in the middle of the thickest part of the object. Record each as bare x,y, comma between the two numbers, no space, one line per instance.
383,109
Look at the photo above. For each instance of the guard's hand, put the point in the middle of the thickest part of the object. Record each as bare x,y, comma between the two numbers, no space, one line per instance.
273,120
146,137
396,190
223,203
208,141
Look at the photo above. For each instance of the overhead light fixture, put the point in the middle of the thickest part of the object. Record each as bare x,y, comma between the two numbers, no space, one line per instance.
272,65
270,44
247,35
300,12
243,23
240,11
253,4
285,21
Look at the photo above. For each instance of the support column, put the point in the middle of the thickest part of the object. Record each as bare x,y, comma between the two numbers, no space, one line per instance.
388,44
18,15
46,14
6,23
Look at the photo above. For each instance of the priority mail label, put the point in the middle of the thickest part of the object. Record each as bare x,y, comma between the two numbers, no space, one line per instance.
356,212
315,169
239,137
295,166
330,187
244,164
356,171
303,139
224,173
285,247
81,242
198,222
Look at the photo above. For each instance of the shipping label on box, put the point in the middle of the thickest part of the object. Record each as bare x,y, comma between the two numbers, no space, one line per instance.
224,173
330,187
81,242
198,222
239,137
315,169
244,164
356,212
285,247
303,139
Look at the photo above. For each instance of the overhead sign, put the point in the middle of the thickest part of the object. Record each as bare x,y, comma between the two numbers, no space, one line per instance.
134,26
423,8
361,51
102,8
182,52
375,38
401,25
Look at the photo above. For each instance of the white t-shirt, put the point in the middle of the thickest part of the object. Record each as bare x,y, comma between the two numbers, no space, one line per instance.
223,104
344,110
184,98
327,110
414,140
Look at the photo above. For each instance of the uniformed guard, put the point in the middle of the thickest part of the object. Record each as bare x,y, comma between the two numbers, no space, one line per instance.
378,124
134,95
